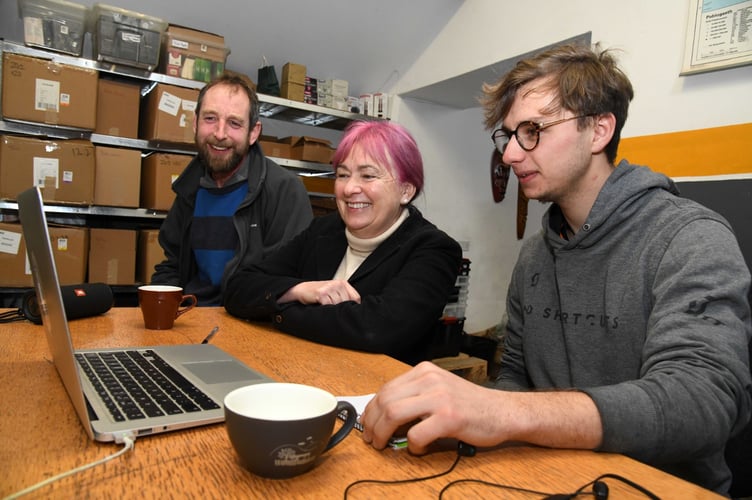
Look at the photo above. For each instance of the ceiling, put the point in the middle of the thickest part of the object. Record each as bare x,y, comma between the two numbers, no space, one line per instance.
369,43
463,91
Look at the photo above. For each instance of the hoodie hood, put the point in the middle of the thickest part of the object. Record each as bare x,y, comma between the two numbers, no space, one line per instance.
619,199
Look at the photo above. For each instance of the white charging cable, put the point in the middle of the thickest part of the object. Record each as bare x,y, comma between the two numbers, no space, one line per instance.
129,444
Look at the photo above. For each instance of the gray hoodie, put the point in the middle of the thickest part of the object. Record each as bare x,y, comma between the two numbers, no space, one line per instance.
645,309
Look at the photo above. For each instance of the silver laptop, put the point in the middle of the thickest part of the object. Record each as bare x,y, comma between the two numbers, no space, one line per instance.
160,404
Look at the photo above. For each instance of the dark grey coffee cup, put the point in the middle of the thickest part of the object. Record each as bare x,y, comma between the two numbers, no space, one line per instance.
279,430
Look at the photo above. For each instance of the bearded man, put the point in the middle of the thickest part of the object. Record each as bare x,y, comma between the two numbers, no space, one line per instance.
233,205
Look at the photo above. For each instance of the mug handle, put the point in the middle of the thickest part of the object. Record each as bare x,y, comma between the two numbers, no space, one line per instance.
347,426
193,301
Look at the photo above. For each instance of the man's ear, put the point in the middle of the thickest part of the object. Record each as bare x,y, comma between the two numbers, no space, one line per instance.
603,131
254,134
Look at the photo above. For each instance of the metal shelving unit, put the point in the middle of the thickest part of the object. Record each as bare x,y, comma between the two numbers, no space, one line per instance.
270,107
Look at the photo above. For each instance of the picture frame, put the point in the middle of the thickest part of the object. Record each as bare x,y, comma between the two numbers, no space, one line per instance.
717,35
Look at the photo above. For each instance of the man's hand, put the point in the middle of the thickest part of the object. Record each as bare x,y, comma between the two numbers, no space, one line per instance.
443,405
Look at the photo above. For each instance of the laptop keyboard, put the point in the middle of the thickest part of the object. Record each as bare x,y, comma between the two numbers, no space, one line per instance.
139,384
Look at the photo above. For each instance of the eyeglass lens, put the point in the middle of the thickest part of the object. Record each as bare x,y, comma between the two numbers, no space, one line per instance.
526,134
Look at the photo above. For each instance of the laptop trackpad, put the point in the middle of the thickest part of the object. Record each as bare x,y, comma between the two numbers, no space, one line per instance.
221,372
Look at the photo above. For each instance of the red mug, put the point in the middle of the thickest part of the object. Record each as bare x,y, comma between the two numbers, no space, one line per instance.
162,304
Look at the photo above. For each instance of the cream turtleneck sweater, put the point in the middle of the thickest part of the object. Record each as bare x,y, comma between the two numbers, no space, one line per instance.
358,249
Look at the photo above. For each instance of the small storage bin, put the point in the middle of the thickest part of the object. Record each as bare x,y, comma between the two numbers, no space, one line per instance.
125,37
56,25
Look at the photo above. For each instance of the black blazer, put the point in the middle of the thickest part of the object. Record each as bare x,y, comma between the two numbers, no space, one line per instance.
404,285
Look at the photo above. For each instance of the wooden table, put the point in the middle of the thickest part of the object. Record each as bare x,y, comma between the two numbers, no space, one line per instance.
40,435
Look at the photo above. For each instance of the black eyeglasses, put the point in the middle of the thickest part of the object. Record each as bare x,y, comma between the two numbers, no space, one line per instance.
527,133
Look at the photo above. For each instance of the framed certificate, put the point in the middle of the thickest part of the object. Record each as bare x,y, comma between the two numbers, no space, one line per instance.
719,35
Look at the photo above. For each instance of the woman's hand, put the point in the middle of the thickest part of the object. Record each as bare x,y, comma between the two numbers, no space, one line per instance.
328,292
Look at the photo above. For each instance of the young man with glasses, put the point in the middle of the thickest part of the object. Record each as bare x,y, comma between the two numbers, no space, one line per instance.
628,317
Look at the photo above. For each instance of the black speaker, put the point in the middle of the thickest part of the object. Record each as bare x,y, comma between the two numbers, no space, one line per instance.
79,301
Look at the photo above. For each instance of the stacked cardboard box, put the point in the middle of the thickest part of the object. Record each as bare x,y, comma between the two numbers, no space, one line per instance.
274,147
333,94
63,169
117,182
193,54
158,172
312,149
39,90
311,90
70,246
150,254
167,114
112,256
118,108
293,82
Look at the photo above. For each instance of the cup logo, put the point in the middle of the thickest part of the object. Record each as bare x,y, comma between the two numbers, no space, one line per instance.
292,455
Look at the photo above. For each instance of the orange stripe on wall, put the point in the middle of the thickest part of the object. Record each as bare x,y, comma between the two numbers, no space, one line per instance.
710,151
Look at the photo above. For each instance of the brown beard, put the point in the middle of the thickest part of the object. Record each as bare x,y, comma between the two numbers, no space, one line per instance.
218,166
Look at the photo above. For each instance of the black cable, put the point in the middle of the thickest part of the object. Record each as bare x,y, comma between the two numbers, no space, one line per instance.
11,316
600,488
403,481
492,485
624,480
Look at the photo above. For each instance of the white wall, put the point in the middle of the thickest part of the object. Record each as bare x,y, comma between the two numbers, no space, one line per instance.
457,149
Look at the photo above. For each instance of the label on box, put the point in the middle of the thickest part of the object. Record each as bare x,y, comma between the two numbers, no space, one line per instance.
46,168
67,176
180,44
47,95
62,244
10,242
169,103
65,99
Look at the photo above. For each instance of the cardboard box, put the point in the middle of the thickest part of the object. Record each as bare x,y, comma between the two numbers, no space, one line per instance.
54,25
335,87
117,108
158,172
167,114
125,37
312,149
112,256
64,169
318,185
117,181
193,54
150,254
294,73
292,91
42,91
332,101
70,246
272,147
